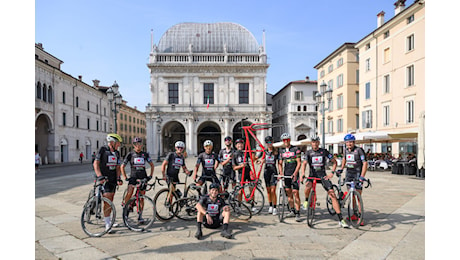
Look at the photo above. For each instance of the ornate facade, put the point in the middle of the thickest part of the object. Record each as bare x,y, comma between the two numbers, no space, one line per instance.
70,115
205,81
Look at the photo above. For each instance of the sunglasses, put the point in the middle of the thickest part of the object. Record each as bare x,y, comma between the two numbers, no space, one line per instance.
227,140
268,142
181,148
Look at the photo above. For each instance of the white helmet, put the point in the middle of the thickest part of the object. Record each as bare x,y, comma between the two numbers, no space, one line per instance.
285,136
179,144
208,142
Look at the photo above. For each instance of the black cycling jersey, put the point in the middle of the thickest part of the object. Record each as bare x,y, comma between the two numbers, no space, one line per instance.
354,160
239,158
224,154
213,208
108,163
271,158
289,156
317,160
175,162
137,162
207,161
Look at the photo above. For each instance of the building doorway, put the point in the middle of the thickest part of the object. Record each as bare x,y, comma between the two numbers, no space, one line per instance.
172,132
209,131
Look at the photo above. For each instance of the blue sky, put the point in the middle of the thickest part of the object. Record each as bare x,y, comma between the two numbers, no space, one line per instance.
110,40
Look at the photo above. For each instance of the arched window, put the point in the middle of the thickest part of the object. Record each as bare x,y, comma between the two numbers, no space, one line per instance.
39,90
298,108
50,95
44,92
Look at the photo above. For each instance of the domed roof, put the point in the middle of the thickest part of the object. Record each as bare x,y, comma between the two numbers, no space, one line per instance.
208,38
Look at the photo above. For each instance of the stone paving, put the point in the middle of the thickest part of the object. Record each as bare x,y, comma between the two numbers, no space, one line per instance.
394,229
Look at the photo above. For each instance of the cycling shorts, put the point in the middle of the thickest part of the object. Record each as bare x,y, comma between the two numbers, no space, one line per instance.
110,187
289,184
354,177
327,184
269,177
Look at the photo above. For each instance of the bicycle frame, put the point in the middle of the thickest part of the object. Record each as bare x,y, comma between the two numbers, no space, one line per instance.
313,186
249,132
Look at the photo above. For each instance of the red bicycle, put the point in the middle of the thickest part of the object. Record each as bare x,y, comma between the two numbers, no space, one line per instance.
252,190
312,202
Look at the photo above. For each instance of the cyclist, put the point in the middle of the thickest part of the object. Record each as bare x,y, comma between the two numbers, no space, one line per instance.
270,160
225,159
172,164
208,159
137,160
356,164
240,162
215,210
316,159
290,155
107,163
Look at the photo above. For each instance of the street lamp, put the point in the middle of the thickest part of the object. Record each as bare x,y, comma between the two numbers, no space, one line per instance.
159,136
325,93
114,96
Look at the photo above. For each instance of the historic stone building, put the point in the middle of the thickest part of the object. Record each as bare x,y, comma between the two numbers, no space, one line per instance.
206,78
294,108
131,124
70,115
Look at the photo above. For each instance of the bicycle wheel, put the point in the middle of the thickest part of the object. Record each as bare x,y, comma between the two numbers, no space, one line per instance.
240,210
163,209
192,191
139,214
257,201
186,209
311,208
329,206
355,209
283,204
92,217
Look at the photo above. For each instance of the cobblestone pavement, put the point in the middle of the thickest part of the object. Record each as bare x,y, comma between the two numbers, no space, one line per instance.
394,229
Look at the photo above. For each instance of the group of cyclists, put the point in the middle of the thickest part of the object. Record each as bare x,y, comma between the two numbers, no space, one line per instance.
212,211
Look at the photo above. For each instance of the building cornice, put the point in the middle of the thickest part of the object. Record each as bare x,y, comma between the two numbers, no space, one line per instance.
416,6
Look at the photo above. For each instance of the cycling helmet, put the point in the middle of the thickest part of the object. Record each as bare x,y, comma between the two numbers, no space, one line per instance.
179,144
268,139
315,139
114,138
285,136
214,185
207,142
239,140
227,138
349,137
137,140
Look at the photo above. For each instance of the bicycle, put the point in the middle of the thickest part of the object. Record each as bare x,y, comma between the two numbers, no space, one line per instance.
166,197
350,199
254,188
239,209
139,211
283,204
249,187
312,201
92,218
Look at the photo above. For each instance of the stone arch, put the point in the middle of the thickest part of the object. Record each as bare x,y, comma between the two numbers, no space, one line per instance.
209,130
44,136
172,132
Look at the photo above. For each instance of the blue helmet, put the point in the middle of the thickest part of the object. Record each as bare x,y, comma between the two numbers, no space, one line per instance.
349,137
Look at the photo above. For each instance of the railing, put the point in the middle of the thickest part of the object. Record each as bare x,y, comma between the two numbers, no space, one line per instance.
206,58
